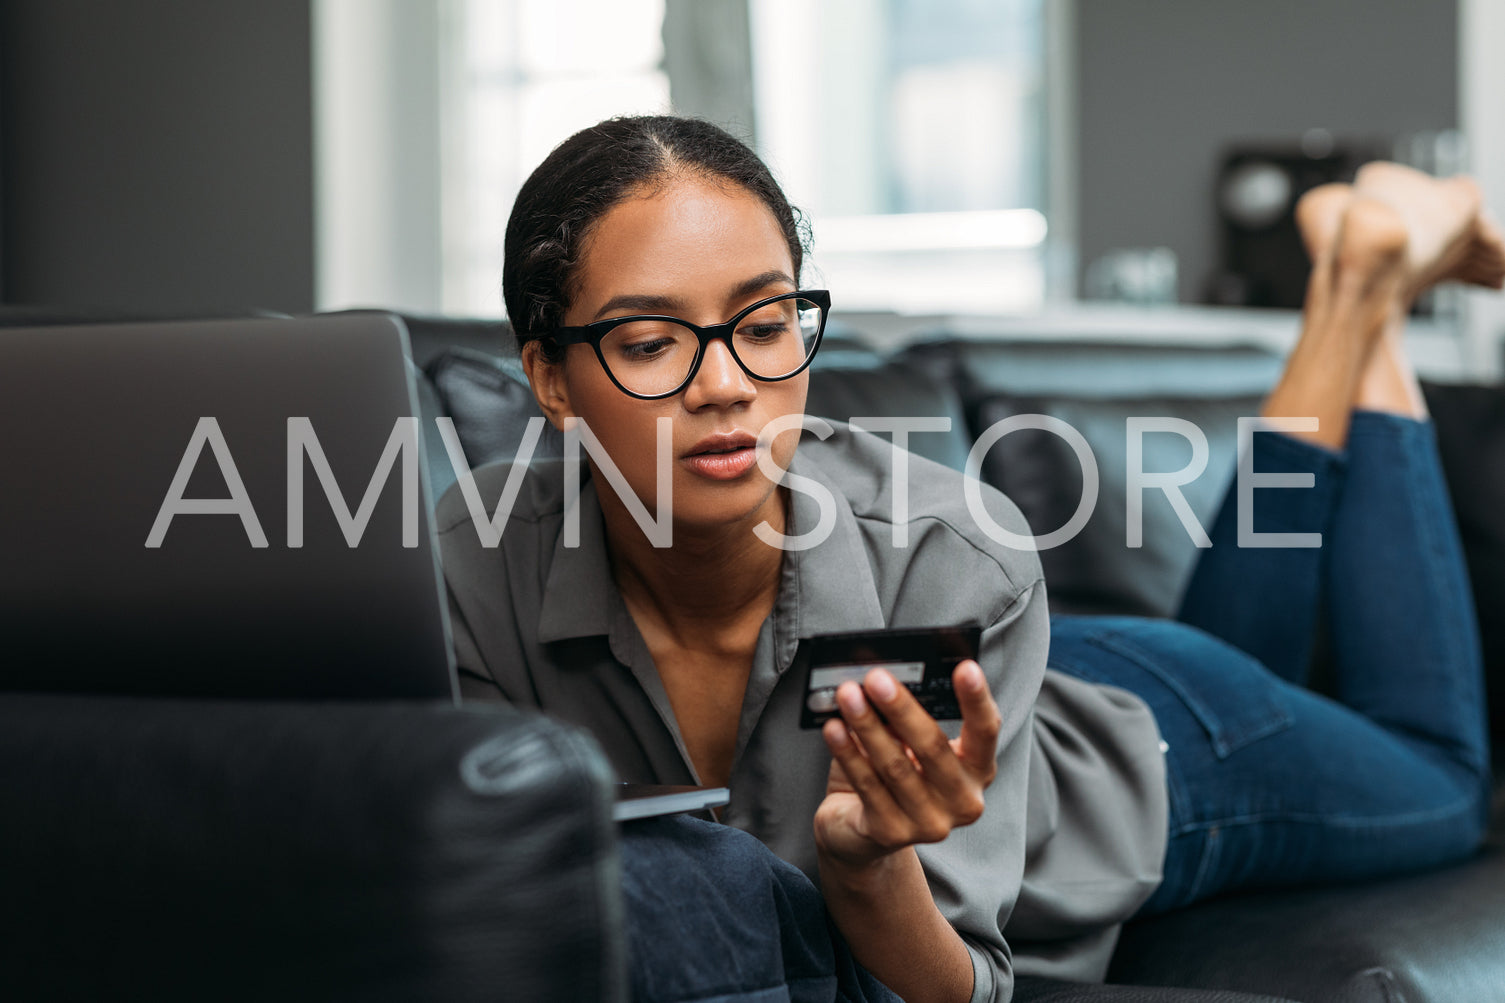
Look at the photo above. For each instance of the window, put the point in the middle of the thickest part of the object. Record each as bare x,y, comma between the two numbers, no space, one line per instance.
911,132
521,76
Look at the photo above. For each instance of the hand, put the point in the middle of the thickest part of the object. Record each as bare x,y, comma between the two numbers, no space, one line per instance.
897,784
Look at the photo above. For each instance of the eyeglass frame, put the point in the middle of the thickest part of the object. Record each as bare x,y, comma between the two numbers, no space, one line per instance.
592,334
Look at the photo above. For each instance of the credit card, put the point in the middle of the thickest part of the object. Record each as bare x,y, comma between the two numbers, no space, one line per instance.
921,659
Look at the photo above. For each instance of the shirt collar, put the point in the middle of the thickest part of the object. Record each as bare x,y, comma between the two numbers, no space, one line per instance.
577,595
829,587
834,579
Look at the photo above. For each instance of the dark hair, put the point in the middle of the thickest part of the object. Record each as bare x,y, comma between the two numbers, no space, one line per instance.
593,171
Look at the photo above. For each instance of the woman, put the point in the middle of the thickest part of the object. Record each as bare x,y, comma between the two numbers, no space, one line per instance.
1150,765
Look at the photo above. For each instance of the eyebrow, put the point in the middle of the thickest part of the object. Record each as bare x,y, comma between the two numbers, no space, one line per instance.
647,302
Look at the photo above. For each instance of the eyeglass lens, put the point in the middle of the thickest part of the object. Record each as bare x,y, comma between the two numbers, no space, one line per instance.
654,356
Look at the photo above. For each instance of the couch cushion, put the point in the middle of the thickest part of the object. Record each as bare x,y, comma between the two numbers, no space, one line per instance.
1095,387
489,399
850,381
1097,571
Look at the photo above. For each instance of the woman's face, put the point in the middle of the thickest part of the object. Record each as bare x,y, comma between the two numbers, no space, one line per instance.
700,251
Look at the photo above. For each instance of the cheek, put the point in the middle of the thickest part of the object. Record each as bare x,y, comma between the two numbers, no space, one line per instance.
627,428
585,382
630,437
787,398
593,397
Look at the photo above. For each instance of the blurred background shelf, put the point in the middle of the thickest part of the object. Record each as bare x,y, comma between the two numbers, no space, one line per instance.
1437,345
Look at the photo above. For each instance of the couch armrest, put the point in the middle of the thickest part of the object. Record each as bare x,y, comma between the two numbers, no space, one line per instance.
176,849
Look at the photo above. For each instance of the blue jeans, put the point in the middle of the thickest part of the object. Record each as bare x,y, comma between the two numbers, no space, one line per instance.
1270,783
714,917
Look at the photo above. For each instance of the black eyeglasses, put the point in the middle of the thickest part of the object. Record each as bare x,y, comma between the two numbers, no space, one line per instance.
652,357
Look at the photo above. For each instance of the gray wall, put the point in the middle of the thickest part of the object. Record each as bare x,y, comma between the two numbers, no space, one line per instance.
157,154
1162,84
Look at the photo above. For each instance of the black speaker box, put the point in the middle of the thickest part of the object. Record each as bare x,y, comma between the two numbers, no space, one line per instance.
1263,262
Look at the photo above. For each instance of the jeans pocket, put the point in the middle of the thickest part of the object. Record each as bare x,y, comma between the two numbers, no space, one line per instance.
1234,698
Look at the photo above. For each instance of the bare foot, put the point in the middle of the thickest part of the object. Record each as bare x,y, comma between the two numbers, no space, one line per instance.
1442,216
1372,265
1370,241
1359,249
1319,216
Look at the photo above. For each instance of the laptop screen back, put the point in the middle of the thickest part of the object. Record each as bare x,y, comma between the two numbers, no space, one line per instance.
181,512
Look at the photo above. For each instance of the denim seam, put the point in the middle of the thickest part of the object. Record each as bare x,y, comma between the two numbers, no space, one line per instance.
1212,851
1437,546
1224,743
1393,821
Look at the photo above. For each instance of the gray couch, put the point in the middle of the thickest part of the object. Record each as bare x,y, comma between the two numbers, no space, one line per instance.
173,849
1438,936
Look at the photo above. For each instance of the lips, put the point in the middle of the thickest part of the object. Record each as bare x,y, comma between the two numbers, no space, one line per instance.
723,442
723,455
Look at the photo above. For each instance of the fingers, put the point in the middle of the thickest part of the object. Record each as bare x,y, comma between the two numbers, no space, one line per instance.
981,721
914,728
885,745
945,764
897,758
858,772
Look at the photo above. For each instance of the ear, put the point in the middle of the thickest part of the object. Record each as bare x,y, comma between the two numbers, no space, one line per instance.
547,381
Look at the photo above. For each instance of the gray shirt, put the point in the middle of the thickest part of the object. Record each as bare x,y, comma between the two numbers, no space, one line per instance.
1073,835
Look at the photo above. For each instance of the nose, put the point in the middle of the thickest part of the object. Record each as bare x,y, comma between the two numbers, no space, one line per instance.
720,381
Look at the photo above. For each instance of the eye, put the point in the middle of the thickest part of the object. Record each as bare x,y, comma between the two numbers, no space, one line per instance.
768,324
646,350
647,342
764,331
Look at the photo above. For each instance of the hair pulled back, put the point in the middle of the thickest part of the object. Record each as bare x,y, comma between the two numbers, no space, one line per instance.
590,173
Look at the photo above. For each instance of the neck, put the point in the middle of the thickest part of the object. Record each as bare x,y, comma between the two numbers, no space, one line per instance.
708,583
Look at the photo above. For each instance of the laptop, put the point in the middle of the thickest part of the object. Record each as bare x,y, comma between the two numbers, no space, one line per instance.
634,801
199,509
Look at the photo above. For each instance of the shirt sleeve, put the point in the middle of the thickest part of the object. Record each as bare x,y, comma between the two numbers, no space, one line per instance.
975,875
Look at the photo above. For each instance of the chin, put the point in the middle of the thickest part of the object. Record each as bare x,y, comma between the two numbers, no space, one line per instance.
700,507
